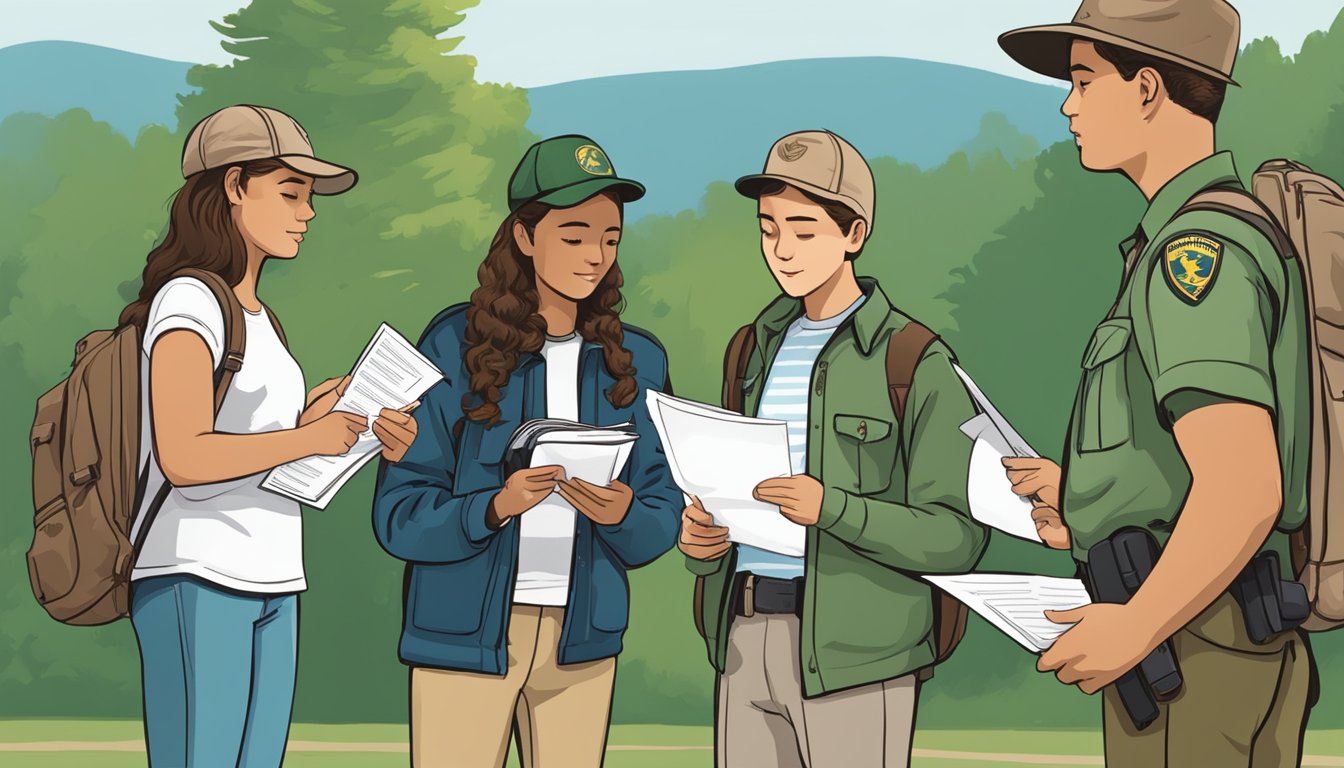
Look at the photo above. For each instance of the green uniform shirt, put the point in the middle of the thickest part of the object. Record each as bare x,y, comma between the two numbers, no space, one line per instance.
1207,313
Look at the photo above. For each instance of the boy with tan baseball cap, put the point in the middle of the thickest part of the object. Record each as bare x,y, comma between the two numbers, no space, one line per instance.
244,132
831,631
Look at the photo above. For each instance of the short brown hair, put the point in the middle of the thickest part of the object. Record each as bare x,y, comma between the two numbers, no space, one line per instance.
843,216
1200,94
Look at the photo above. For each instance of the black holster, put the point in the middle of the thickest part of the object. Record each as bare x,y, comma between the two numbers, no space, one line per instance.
1116,568
1269,603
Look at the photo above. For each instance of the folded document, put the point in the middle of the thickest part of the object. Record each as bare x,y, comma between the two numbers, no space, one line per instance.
1016,603
989,493
390,373
595,455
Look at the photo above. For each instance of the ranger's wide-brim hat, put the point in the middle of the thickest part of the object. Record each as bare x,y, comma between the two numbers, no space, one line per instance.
1201,35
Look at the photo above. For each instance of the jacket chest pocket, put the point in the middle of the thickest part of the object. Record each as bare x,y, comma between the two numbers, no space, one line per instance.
1103,418
867,447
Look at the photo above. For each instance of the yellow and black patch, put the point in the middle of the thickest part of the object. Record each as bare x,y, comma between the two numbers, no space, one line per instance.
1190,263
593,160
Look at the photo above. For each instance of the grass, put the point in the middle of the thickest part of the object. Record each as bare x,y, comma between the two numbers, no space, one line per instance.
1079,742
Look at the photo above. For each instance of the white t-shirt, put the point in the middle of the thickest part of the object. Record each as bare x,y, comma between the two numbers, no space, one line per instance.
233,533
546,539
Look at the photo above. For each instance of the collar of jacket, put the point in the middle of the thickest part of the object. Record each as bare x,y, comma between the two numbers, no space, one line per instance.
868,321
527,358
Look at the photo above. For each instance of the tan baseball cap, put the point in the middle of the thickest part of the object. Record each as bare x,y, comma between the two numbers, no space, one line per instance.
244,132
1202,35
822,163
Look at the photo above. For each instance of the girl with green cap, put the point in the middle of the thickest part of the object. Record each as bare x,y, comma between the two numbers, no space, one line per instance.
517,598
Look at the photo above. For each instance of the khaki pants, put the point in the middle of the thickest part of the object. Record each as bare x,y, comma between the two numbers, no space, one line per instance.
1241,704
763,719
560,713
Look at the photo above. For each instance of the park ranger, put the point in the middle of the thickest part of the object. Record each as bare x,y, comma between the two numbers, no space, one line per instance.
1191,418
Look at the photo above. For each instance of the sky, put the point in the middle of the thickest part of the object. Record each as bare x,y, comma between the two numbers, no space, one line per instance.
539,42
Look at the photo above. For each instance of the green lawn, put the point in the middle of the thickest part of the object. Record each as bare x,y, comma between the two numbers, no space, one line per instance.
1328,744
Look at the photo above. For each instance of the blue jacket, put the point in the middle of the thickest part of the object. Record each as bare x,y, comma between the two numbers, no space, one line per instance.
429,510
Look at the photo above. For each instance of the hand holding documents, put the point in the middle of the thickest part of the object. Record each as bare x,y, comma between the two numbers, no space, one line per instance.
988,490
593,454
1016,603
720,457
390,373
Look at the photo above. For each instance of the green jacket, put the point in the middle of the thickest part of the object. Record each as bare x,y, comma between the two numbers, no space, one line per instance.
894,504
1235,330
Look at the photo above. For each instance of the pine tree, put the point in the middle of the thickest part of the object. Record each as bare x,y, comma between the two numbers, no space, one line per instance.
378,90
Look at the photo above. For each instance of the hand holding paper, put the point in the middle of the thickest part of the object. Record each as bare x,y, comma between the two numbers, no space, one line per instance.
390,374
989,492
1016,603
721,457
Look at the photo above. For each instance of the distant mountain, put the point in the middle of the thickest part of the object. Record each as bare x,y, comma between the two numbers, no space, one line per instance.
127,90
676,131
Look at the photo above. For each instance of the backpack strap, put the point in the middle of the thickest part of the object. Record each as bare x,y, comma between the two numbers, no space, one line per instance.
735,363
1246,208
235,329
905,348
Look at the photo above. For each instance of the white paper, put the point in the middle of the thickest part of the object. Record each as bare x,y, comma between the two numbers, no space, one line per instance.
989,492
720,457
1016,603
595,463
390,373
1016,444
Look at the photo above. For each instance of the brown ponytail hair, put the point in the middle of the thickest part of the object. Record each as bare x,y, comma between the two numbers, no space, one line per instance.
201,234
503,321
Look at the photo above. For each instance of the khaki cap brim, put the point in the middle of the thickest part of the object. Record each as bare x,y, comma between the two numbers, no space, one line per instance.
750,186
328,178
1046,50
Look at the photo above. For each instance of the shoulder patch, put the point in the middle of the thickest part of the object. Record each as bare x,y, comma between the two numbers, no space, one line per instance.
1190,263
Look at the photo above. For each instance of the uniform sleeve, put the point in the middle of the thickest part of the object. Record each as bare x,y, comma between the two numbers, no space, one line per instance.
185,303
1212,346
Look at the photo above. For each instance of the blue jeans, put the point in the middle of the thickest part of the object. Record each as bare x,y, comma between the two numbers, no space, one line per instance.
218,672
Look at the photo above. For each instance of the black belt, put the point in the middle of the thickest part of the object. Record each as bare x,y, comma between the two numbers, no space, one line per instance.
754,594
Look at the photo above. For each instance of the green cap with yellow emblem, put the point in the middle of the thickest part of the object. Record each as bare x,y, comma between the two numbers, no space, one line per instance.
564,171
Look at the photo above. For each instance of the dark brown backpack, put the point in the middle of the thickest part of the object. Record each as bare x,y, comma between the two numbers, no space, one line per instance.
86,480
905,348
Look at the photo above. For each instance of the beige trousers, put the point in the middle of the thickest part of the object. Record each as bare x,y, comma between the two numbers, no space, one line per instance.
763,719
558,713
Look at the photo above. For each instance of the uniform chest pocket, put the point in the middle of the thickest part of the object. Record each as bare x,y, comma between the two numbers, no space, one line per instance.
867,450
1104,415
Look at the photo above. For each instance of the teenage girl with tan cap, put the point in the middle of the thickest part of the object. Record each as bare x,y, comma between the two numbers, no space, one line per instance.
220,561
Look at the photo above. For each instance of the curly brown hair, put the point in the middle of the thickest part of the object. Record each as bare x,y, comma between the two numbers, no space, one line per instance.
503,320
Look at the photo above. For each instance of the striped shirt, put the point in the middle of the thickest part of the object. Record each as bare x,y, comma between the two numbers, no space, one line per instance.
785,398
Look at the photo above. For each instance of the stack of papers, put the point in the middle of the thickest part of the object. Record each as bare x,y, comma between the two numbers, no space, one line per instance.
1016,603
988,490
390,373
595,455
720,457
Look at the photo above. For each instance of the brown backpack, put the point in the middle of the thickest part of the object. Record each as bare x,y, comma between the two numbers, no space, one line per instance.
1302,214
86,480
905,348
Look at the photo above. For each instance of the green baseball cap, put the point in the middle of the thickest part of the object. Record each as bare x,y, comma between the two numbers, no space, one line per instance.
564,171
